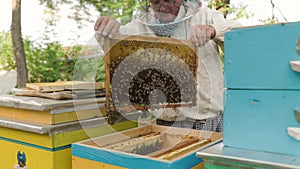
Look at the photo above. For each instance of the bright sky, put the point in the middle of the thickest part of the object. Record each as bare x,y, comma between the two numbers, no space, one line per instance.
262,9
33,24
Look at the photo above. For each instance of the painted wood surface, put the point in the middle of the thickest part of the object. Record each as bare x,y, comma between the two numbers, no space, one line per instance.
41,104
45,117
83,163
258,120
36,158
123,160
94,150
220,156
218,164
48,111
64,138
48,152
259,57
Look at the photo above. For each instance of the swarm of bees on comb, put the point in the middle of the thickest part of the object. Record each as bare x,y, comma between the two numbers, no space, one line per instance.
146,72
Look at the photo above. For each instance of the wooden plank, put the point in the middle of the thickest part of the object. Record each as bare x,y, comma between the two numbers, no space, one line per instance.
41,104
186,141
58,95
45,117
107,75
64,85
175,153
35,93
63,138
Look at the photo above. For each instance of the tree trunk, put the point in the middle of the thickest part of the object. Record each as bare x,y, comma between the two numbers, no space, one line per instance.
221,5
18,46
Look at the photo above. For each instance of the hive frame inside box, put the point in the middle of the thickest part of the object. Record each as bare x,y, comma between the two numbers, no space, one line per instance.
91,153
185,50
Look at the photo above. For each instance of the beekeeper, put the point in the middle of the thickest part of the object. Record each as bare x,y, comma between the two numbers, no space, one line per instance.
187,20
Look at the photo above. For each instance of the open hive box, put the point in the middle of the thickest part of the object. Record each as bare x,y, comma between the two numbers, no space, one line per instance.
149,71
144,147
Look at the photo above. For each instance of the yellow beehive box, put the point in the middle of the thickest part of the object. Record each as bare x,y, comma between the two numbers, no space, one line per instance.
48,146
49,111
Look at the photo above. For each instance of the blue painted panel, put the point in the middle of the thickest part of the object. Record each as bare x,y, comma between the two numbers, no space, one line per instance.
133,162
258,57
258,120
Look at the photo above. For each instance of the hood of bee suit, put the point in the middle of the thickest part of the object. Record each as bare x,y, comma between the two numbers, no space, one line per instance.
187,8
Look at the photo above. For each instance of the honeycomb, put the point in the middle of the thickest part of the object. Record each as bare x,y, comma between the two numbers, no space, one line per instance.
143,72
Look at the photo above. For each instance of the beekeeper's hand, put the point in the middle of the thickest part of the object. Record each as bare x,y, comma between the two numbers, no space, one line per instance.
201,34
107,26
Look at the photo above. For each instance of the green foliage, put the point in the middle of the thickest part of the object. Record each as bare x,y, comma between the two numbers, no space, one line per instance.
120,9
46,62
7,60
50,62
89,69
239,11
90,66
219,4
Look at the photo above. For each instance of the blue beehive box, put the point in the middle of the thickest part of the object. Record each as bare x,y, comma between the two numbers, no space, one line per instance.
263,91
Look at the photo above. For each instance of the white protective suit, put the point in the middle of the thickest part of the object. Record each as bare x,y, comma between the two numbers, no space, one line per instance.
210,73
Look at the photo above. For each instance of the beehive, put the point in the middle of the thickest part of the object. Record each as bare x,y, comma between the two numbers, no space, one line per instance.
263,89
145,147
149,71
45,129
